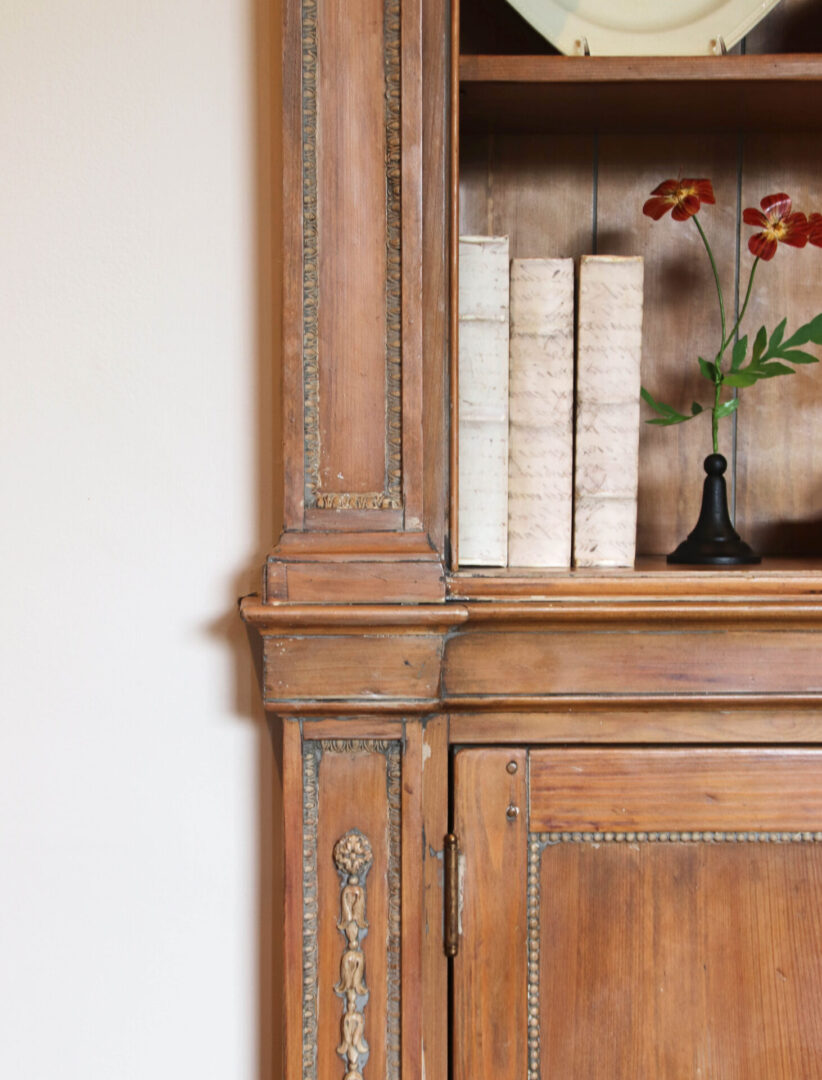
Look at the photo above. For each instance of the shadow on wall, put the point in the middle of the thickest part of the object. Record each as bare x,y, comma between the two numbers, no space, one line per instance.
265,50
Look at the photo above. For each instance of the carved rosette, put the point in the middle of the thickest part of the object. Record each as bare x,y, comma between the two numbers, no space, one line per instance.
353,858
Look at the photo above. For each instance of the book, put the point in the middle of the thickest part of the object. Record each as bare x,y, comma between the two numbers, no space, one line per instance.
541,411
483,400
609,345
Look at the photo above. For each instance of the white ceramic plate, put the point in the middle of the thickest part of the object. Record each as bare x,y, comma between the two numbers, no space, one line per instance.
643,27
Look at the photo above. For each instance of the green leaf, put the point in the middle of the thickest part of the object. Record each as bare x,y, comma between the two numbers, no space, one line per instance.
667,414
759,345
696,408
742,378
776,336
773,368
657,406
727,408
666,421
796,356
707,368
738,355
811,331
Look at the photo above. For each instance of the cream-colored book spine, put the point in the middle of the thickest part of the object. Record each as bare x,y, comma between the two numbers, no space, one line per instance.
483,400
609,345
541,409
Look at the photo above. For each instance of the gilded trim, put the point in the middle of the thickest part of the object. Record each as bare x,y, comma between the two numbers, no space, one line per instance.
535,847
353,858
391,497
393,230
353,1047
548,838
310,967
311,277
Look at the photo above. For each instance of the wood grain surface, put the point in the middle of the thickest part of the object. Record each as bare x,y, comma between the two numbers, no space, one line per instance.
681,960
411,328
340,667
779,453
360,582
436,262
412,905
352,795
489,972
292,871
352,261
670,723
432,993
620,662
676,789
560,94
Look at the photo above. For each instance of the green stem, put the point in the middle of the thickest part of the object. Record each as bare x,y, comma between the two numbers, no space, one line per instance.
718,287
714,417
738,322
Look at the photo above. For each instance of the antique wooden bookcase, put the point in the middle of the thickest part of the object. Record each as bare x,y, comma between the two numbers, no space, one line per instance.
600,792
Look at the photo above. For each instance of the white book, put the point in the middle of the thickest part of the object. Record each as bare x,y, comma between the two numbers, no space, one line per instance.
483,400
609,345
541,410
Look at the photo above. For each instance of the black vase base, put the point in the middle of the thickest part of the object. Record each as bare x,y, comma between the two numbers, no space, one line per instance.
714,553
714,541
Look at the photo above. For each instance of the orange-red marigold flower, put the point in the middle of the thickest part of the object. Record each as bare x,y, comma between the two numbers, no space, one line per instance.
815,229
778,224
682,197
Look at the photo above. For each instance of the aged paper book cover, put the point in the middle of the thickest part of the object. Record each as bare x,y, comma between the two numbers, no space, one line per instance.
483,400
609,344
541,410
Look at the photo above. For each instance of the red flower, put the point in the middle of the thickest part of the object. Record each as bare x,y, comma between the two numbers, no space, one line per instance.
815,229
778,225
683,197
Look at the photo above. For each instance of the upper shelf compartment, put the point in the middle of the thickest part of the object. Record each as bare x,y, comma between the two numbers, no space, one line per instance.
588,94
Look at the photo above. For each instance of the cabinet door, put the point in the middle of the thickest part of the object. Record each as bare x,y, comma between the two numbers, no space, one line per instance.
636,913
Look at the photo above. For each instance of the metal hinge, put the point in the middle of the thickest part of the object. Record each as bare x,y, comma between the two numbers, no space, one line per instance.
451,899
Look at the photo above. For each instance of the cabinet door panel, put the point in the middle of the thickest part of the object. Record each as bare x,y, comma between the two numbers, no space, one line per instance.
491,974
666,949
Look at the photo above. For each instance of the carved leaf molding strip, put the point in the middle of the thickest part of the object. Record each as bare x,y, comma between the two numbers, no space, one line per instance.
391,497
538,842
353,857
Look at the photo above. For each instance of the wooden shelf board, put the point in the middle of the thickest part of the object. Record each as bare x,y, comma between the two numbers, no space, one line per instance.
563,93
650,576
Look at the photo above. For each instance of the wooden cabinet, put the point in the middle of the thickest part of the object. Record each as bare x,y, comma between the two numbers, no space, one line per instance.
628,760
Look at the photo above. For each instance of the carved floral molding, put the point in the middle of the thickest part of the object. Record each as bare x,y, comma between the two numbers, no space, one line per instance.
353,858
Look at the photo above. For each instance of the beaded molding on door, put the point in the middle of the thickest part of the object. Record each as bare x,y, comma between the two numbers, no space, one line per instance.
538,842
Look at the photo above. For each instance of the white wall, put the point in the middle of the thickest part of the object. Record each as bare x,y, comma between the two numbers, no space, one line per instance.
135,490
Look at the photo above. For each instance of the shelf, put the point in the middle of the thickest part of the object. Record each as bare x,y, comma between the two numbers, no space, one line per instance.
774,580
583,94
